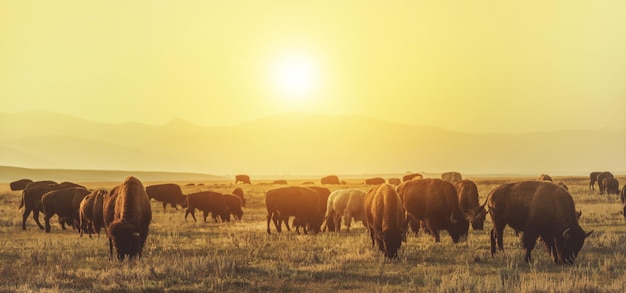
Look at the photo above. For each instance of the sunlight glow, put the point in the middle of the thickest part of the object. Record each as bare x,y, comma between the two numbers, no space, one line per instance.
296,78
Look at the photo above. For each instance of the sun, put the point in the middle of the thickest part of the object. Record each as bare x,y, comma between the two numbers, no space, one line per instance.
296,78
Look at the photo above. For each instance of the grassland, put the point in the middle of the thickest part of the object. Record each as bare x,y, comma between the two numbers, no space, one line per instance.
240,257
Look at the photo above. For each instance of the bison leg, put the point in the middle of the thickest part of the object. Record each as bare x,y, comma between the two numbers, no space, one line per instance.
24,217
110,248
286,220
529,239
276,222
337,223
493,241
46,220
269,216
347,218
36,218
173,205
164,206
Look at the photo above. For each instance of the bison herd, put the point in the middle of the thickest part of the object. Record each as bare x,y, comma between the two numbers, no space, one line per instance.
536,208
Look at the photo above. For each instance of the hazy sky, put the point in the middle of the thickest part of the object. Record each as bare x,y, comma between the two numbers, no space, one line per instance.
463,65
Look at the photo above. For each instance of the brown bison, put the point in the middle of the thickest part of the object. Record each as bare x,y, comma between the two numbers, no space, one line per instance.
622,194
65,203
394,181
385,218
544,177
538,209
593,177
300,202
610,185
331,179
323,193
451,176
600,179
346,204
468,200
233,203
245,179
374,181
129,216
280,182
19,184
90,213
408,177
435,203
208,202
239,192
167,193
31,198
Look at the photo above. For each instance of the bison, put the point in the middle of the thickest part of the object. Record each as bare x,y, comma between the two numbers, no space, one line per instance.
245,179
600,180
331,179
208,202
622,194
65,203
323,193
468,200
537,209
31,198
374,181
408,177
128,219
451,176
435,203
544,177
610,185
233,203
19,184
167,193
385,218
593,177
346,203
301,202
394,181
239,192
280,182
90,212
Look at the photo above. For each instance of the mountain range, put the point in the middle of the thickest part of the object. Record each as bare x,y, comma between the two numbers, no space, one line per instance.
299,144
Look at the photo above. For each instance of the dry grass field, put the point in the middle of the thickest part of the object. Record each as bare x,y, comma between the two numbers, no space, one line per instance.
240,257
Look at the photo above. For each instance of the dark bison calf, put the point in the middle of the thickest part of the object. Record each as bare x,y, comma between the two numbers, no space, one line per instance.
207,202
233,203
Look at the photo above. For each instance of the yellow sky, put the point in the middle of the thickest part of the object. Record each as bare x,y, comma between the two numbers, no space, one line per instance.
463,65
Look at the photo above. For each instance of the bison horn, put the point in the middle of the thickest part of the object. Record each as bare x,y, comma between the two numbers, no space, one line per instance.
587,234
452,220
565,233
135,234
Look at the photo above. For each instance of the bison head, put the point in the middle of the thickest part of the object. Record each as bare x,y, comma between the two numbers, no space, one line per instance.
573,239
126,239
458,227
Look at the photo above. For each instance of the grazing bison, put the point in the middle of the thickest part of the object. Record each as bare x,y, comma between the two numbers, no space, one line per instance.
19,184
346,203
374,181
622,194
538,209
394,181
239,192
167,193
208,202
408,177
31,198
610,185
65,203
300,202
385,218
593,177
435,203
323,193
129,214
468,200
544,177
90,212
245,179
451,176
331,179
280,182
600,180
233,203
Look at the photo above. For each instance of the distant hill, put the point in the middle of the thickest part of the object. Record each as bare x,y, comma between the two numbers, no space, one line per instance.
300,143
9,174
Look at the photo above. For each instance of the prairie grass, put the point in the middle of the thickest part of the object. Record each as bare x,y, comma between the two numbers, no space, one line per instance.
240,257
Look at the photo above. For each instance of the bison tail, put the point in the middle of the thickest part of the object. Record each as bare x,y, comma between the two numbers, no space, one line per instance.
476,213
21,202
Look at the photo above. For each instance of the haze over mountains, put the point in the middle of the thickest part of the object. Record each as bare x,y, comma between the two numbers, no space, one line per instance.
300,144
